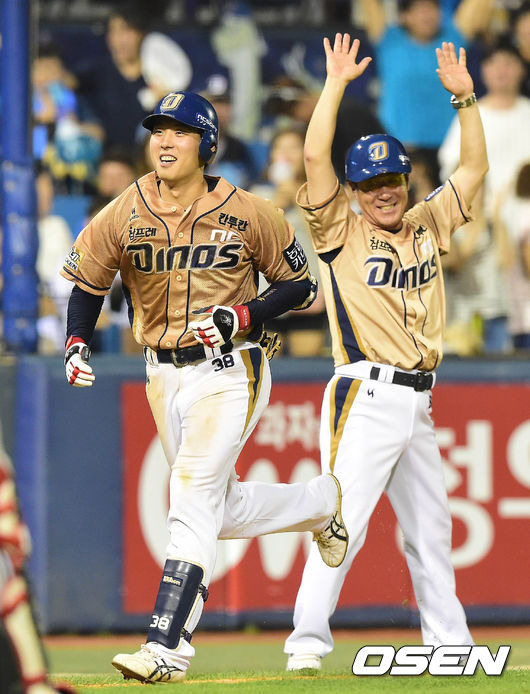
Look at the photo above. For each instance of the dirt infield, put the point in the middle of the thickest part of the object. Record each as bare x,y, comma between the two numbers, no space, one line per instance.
480,634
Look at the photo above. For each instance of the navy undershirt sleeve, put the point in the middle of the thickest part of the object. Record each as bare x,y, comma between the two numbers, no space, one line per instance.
84,308
277,299
83,313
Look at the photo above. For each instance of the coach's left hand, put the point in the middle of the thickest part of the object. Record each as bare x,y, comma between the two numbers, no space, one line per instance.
220,324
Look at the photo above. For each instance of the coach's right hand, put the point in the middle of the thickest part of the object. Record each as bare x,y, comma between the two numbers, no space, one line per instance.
78,372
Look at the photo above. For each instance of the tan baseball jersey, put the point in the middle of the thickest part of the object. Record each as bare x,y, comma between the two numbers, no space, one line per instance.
174,261
384,291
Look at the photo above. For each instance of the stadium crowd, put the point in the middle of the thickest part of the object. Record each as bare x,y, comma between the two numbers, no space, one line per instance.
89,144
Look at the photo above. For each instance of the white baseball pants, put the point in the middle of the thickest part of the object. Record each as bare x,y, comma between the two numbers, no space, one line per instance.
378,437
204,413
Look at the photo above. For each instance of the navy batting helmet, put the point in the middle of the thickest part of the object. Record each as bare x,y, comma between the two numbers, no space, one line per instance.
193,110
373,155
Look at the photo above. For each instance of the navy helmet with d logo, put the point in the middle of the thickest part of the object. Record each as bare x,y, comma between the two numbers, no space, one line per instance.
193,110
373,155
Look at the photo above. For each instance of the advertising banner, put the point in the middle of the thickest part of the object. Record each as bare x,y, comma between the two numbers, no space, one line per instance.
484,436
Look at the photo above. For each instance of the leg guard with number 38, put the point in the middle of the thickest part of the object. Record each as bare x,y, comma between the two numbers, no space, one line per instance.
179,591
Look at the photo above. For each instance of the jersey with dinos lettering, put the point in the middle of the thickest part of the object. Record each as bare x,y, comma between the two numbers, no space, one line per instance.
384,291
174,261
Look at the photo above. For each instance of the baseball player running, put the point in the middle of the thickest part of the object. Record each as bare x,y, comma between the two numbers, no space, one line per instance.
189,248
384,292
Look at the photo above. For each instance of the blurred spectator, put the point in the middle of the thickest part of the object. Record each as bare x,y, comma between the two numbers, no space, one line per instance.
137,70
116,171
512,224
421,178
501,19
505,117
303,332
239,47
505,113
521,38
233,160
55,241
476,291
143,156
66,136
412,107
165,68
111,83
290,102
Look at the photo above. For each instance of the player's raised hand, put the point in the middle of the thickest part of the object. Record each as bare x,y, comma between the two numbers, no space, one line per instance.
453,72
341,59
78,372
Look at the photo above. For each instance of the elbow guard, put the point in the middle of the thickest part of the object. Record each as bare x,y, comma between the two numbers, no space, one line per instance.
312,289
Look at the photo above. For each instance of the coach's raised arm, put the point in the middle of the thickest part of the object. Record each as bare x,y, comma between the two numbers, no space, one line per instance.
342,68
454,76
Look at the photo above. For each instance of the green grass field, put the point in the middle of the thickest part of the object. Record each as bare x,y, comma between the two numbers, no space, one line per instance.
253,663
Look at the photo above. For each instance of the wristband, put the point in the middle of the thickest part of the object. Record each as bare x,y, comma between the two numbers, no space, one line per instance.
243,316
72,340
75,345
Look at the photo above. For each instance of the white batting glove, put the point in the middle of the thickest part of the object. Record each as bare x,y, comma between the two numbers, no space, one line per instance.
220,325
78,372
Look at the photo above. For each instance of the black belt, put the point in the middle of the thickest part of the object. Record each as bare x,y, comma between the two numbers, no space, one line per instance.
187,355
419,381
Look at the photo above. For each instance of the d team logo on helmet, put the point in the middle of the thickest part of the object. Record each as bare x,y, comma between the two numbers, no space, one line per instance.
378,151
171,101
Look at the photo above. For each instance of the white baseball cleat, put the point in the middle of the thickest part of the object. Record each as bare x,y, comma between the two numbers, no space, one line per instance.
304,661
146,666
333,540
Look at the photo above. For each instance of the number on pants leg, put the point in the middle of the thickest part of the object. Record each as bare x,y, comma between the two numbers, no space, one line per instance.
223,362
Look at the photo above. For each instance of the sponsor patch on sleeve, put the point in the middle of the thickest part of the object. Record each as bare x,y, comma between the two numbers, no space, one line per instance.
435,192
295,256
74,259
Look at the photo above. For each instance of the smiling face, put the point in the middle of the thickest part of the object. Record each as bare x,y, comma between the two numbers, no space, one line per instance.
383,200
174,150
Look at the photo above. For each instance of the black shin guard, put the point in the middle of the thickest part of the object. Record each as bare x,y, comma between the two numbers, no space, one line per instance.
179,591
